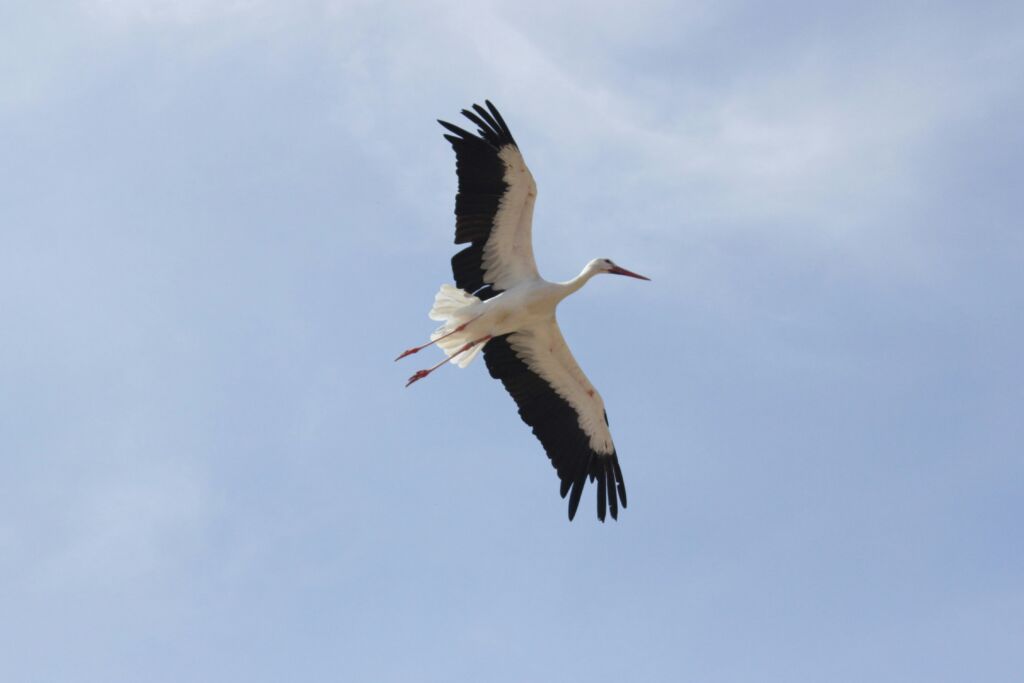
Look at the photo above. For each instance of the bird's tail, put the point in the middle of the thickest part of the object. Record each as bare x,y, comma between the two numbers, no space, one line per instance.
456,309
449,302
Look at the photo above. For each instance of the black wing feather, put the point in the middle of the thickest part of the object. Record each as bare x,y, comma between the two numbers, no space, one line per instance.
610,476
501,122
555,423
481,175
491,123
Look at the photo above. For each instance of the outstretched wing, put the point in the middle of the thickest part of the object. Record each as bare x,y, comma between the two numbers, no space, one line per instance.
564,409
493,208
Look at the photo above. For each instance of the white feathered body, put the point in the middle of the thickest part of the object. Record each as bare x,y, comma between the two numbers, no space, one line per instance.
525,305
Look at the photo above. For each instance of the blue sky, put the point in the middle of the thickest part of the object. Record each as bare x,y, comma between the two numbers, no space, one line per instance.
220,221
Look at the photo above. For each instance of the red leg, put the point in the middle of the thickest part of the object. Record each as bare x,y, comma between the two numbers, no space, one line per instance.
417,349
465,347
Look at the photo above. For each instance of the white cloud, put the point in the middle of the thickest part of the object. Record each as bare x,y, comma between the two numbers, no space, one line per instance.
815,139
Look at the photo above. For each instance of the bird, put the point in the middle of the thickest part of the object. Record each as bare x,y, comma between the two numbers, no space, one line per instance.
500,305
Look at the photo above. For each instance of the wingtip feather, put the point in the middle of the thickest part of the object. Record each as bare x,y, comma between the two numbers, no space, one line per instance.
461,132
612,497
621,483
577,493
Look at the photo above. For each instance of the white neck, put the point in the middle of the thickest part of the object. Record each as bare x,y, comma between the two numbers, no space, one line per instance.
577,282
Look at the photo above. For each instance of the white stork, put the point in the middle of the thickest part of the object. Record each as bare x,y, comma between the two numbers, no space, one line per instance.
502,305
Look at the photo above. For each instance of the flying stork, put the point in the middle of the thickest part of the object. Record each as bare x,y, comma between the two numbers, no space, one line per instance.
502,305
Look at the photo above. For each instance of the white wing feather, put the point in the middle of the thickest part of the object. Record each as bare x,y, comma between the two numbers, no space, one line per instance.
508,255
542,347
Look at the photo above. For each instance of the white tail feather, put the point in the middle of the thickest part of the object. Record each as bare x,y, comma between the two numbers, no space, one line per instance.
455,307
449,301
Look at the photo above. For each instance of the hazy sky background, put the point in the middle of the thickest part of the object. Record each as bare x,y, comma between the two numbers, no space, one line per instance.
220,221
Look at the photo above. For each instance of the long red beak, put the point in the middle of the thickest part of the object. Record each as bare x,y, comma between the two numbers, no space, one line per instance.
622,271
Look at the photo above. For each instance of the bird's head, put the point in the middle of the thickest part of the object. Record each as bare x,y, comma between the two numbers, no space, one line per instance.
606,265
